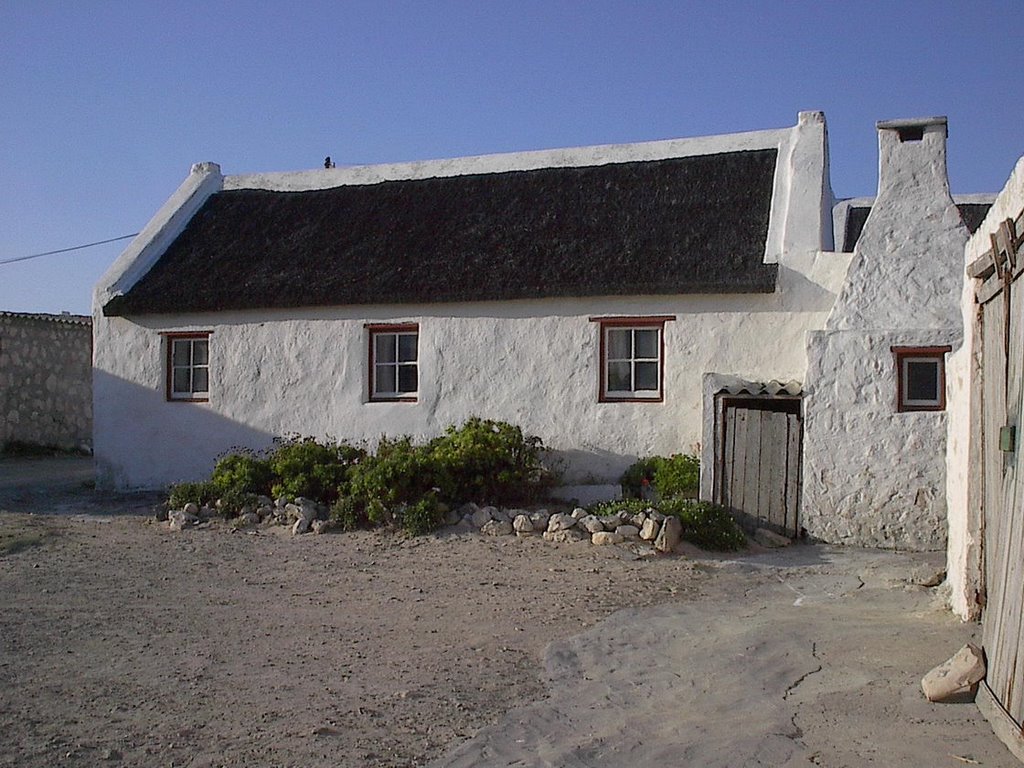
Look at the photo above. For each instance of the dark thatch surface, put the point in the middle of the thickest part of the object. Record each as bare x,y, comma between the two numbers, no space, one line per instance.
971,213
682,225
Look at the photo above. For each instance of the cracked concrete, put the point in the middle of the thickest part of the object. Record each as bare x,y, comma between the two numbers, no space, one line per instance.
807,656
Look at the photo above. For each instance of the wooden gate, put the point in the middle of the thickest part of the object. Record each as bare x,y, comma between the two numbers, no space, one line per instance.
1001,327
760,441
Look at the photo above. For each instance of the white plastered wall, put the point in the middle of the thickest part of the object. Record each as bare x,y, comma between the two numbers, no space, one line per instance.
874,476
534,363
964,553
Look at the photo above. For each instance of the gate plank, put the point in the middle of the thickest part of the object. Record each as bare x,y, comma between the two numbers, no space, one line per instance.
739,461
728,448
794,446
752,465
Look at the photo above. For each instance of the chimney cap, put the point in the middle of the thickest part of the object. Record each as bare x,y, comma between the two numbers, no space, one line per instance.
911,122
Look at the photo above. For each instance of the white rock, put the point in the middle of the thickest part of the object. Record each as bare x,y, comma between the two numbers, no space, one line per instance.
301,526
611,522
248,518
628,531
638,520
561,522
590,523
656,515
771,539
522,524
191,509
292,511
494,512
649,531
603,538
669,535
177,520
496,528
960,672
579,513
566,536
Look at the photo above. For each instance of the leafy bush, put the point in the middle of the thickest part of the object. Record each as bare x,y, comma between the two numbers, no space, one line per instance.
243,472
399,473
708,525
632,506
199,493
675,475
487,461
678,475
425,516
231,502
303,467
348,515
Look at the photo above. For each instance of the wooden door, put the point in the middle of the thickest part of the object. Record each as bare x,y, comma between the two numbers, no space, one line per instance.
759,462
1001,306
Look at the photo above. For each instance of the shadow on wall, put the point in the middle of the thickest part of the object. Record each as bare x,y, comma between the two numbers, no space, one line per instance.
141,441
593,467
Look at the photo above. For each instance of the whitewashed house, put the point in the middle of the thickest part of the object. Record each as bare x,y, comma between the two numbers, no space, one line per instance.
617,301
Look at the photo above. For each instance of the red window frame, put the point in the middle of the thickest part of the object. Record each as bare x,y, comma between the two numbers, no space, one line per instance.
901,355
373,331
624,322
169,339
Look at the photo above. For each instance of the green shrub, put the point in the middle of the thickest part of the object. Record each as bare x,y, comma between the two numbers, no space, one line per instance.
243,472
423,517
678,475
675,475
399,473
303,467
708,525
632,506
231,502
348,515
198,493
488,461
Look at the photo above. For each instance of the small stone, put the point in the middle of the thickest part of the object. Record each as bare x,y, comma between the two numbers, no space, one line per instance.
540,519
649,531
264,511
452,517
590,523
638,520
566,536
963,670
320,526
292,512
579,513
248,518
496,528
481,516
771,539
611,522
669,536
191,509
179,519
604,538
301,525
628,531
522,524
111,754
656,515
561,522
281,502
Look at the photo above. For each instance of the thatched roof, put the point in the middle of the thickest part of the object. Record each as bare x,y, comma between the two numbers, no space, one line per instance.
972,215
674,226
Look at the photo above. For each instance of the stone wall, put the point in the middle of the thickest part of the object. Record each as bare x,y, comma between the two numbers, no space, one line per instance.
46,379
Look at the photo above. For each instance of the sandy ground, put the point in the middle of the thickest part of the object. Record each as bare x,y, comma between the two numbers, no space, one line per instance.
124,643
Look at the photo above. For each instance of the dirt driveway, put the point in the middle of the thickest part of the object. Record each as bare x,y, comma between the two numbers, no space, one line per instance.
124,643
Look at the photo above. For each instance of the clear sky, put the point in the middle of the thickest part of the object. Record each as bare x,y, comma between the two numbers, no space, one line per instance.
104,106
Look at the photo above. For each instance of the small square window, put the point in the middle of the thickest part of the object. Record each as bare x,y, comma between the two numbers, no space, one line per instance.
632,358
188,366
394,362
921,378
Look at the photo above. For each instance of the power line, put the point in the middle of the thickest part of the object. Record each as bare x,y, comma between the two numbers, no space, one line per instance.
65,250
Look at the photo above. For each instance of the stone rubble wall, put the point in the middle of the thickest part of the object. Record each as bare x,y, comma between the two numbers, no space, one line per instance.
46,380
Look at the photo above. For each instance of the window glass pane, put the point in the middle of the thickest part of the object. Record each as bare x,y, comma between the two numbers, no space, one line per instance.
646,344
407,378
200,379
922,384
619,346
200,352
181,350
182,380
618,377
407,347
384,380
384,351
647,377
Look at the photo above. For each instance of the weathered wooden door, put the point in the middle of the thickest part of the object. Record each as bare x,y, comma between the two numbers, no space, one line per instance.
759,462
1001,322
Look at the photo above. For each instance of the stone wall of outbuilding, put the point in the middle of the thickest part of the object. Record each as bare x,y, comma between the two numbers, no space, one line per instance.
46,380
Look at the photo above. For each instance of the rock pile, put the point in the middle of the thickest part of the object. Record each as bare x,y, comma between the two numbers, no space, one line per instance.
301,515
659,531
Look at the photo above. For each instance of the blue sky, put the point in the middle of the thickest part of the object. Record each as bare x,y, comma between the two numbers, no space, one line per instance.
104,106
